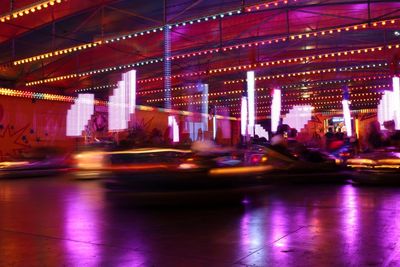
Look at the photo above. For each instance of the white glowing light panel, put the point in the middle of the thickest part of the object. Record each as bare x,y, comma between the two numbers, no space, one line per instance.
251,101
243,117
347,117
298,117
214,127
275,109
204,107
122,102
396,101
261,132
174,128
386,108
79,114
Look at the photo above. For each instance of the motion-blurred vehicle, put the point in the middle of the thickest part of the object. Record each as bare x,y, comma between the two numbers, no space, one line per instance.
300,164
175,173
39,162
379,167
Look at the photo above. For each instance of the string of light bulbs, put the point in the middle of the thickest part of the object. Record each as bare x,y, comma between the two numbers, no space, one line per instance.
38,6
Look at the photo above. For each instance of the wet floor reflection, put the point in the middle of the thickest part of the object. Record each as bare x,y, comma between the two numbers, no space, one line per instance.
55,222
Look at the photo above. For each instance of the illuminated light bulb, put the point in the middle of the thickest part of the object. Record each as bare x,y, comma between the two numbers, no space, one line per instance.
33,9
39,7
15,15
21,14
51,3
45,5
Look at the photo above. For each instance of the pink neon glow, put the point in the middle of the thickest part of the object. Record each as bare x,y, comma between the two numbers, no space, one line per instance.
251,101
174,128
243,117
298,117
396,101
122,102
214,127
275,109
347,117
79,114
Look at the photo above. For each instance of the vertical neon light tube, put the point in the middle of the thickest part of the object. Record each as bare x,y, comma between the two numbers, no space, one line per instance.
275,109
79,114
243,117
172,123
167,67
251,101
214,127
347,117
204,107
396,101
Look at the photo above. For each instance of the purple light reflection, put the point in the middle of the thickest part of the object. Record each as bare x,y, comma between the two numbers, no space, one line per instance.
81,230
350,218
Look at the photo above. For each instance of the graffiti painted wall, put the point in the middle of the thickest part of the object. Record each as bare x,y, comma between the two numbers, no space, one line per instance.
25,124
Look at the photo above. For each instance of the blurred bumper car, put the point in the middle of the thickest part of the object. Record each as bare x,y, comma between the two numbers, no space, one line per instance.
183,174
38,162
304,165
380,167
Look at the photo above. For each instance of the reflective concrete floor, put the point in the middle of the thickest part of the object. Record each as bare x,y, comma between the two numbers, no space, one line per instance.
59,222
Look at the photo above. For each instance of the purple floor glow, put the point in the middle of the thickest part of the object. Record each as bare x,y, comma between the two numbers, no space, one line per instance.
59,222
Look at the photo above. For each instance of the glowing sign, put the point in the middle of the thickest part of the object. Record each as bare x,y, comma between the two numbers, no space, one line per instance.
275,109
122,103
79,114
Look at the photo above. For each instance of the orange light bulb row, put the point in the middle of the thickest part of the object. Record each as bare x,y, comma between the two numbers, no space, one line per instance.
97,71
286,61
266,5
220,70
96,88
306,73
291,94
325,32
57,53
304,59
332,82
29,10
339,90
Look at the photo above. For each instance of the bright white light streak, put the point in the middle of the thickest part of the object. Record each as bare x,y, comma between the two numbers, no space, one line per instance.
275,109
122,103
347,117
251,101
396,101
243,116
174,128
79,114
214,127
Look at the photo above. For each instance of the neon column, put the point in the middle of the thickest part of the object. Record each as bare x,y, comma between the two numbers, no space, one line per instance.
243,117
214,126
167,67
396,101
172,123
346,111
122,102
275,109
204,106
251,101
79,114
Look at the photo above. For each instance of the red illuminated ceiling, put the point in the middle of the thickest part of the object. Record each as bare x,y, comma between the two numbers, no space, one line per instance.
288,43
